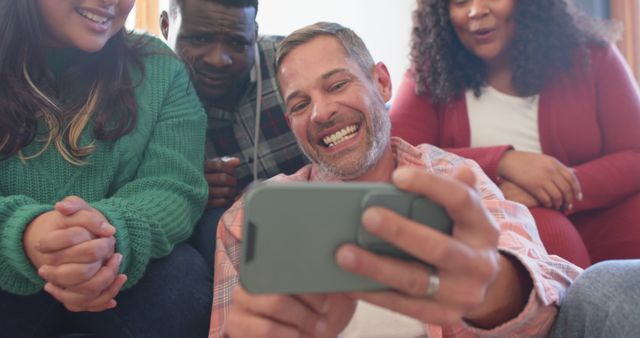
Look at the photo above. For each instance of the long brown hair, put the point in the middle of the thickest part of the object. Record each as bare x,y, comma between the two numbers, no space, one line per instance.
548,35
29,93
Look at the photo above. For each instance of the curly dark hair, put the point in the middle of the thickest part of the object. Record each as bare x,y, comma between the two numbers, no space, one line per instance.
548,35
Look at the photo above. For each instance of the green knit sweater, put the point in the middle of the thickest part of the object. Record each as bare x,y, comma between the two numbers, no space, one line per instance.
149,183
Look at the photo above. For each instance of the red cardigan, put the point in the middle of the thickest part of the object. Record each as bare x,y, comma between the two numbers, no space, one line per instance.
588,118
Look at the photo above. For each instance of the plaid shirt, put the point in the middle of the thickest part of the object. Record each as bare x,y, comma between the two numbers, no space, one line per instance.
230,133
551,274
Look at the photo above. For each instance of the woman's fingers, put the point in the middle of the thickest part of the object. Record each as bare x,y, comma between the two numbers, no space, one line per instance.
97,293
67,275
89,251
92,219
64,238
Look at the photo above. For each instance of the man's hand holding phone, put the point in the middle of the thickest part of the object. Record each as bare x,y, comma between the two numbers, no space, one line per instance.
400,254
472,275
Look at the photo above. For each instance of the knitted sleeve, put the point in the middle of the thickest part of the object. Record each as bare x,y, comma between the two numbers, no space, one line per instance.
158,208
17,275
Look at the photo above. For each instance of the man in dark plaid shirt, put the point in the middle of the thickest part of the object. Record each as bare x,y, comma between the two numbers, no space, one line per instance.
217,39
231,132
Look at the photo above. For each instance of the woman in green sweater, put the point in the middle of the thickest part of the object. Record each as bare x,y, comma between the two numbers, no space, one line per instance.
101,148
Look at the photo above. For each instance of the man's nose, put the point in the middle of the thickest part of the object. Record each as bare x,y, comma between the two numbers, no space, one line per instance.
218,57
323,110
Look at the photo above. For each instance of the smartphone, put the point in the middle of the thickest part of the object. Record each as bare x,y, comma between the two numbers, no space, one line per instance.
293,229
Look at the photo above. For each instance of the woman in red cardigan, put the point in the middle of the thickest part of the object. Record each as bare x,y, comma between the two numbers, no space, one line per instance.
535,92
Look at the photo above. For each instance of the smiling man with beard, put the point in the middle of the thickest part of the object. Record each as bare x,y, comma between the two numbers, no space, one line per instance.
492,276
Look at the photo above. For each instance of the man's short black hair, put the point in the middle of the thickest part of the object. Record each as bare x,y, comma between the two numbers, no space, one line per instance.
173,4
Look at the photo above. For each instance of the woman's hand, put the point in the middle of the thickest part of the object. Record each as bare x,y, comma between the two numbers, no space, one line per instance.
514,193
73,248
96,294
51,238
552,183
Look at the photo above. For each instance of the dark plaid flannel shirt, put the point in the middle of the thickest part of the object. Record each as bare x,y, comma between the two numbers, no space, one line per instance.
230,133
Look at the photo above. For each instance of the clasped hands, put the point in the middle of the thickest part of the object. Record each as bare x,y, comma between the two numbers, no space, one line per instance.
473,274
538,180
72,247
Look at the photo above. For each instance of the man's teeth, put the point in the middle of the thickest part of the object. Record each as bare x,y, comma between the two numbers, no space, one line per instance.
92,16
340,136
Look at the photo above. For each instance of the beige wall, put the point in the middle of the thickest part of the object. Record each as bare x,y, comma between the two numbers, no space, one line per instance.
628,13
384,25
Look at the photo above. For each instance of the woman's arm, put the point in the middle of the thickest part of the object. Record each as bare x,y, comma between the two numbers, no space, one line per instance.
613,176
160,205
18,274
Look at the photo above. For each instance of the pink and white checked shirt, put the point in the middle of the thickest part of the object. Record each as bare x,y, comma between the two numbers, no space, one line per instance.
551,275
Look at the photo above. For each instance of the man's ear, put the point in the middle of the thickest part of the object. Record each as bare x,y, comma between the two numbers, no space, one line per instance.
164,24
382,80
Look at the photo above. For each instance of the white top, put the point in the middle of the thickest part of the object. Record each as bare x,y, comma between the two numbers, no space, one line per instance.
371,321
496,118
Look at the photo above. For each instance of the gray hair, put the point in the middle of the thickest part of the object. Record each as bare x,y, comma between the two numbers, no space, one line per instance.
352,44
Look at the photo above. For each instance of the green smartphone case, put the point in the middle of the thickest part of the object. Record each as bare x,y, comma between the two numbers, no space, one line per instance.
292,230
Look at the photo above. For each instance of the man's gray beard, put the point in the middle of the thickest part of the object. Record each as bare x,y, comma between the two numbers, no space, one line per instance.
381,130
